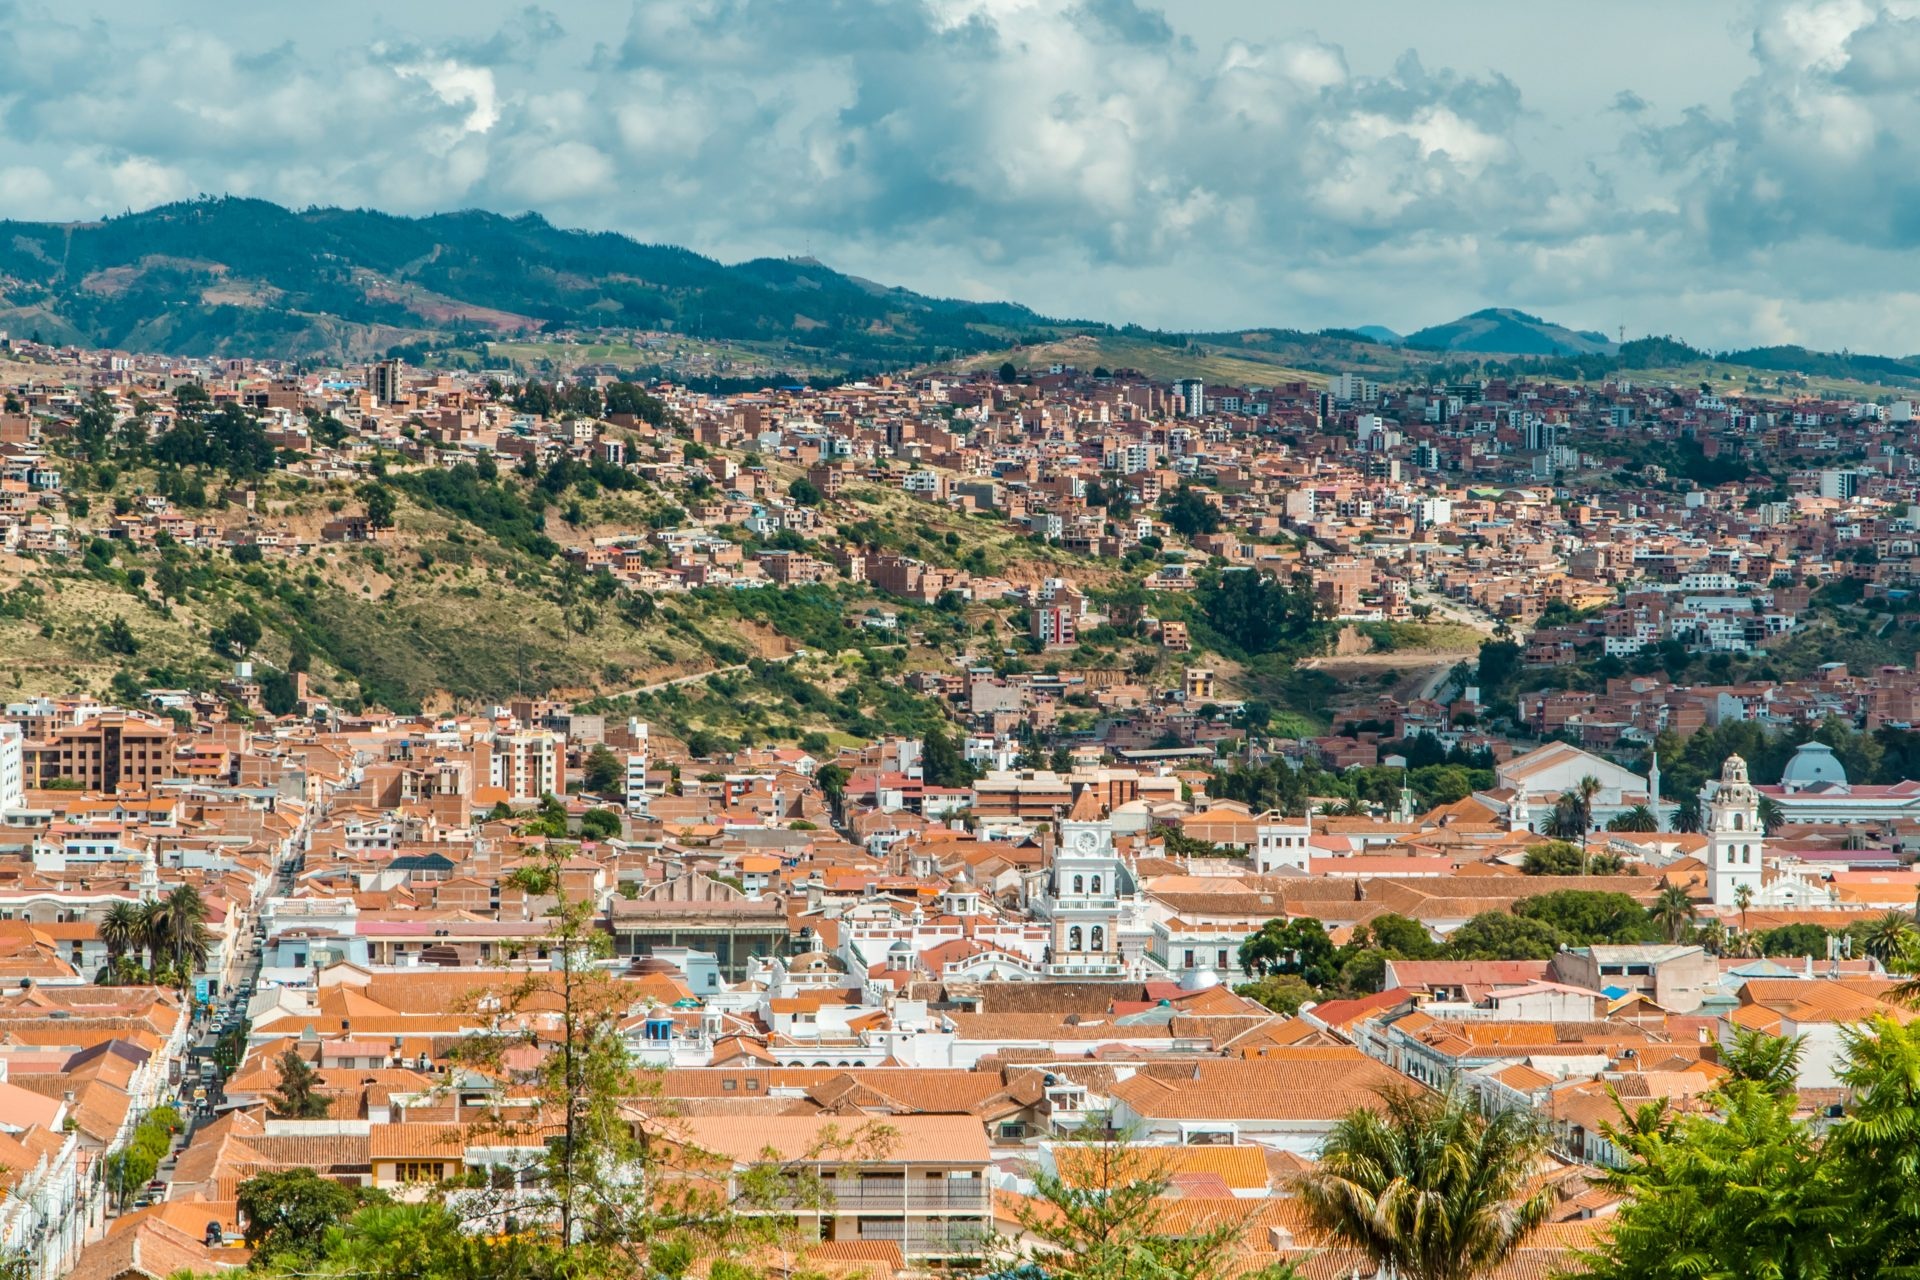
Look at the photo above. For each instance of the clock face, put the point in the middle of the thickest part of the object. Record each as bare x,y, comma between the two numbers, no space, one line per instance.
1088,840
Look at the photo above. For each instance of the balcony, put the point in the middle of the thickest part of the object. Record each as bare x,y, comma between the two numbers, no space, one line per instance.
966,1196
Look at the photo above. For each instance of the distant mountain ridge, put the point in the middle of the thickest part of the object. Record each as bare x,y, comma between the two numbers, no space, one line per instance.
236,276
1504,331
240,277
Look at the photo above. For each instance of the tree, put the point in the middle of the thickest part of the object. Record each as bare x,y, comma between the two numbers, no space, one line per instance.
1261,614
1587,917
298,1096
122,929
1639,818
1673,911
1189,512
605,772
1299,947
1743,898
117,637
1887,937
941,764
1795,940
1281,992
805,492
240,634
1401,937
1427,1187
581,1086
599,824
1686,815
381,504
1877,1145
1100,1214
1745,1193
832,780
180,926
1565,858
1497,935
1008,373
288,1213
1772,816
1770,1061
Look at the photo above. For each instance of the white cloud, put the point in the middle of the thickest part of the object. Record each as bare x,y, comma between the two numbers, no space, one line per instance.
1089,157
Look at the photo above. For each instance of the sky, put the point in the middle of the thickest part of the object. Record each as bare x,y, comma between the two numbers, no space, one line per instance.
1734,173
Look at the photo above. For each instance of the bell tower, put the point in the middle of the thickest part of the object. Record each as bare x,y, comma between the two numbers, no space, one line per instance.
1730,817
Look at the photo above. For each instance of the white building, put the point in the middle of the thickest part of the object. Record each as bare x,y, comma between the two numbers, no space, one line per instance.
1736,842
527,765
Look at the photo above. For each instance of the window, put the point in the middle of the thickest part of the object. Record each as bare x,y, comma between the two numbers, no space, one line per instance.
728,1086
1099,938
1222,961
417,1170
1189,963
1073,938
1013,1130
1079,884
1096,884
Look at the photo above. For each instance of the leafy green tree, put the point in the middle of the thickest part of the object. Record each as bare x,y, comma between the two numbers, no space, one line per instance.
298,1096
1497,935
1281,992
1770,1061
604,772
1401,937
805,492
1300,947
941,764
1427,1187
1261,614
1745,1193
1564,858
288,1213
1888,936
1877,1146
1189,512
380,503
599,824
1794,940
1587,917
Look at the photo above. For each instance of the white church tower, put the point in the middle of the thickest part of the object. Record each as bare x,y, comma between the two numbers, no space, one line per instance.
1730,819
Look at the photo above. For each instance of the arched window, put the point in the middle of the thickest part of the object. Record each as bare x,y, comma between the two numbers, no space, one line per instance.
1079,884
1073,938
1739,822
1096,884
1099,938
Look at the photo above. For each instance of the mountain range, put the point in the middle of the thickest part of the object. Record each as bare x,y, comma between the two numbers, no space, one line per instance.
231,276
234,276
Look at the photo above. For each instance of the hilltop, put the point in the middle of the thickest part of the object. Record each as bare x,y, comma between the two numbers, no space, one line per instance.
246,277
1505,331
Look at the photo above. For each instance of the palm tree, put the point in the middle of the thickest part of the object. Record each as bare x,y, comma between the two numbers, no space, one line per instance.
1673,911
120,929
1427,1187
1638,818
1565,823
1772,816
1888,936
1768,1060
1743,898
1686,813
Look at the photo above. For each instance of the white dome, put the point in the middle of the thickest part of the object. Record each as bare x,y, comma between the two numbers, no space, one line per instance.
1813,764
1200,980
